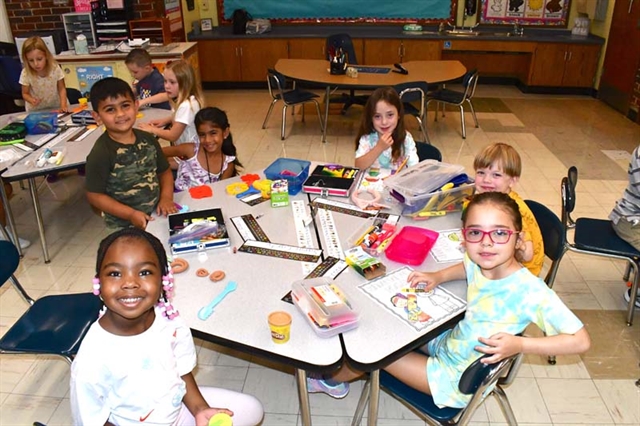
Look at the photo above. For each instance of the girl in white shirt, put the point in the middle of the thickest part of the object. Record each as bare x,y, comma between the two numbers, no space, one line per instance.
42,79
186,99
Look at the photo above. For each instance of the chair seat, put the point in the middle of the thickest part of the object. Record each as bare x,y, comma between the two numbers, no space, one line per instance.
298,96
446,95
53,325
419,400
597,235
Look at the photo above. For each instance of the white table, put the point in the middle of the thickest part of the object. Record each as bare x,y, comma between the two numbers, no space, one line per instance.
25,168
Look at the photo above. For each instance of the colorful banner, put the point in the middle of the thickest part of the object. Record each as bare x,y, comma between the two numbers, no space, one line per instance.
525,12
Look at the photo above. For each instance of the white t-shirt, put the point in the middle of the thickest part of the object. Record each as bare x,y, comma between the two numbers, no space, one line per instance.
132,379
185,114
43,88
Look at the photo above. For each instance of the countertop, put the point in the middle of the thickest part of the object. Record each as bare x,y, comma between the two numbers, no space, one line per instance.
486,32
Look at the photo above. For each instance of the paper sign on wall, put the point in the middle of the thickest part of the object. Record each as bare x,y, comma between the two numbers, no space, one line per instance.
87,76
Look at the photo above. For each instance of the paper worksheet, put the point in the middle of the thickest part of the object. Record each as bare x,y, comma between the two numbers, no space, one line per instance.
448,246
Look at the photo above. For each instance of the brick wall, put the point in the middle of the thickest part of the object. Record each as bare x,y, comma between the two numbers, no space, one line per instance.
27,16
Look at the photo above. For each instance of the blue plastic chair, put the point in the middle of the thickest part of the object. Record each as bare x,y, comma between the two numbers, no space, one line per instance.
479,380
277,83
597,237
452,97
428,152
53,325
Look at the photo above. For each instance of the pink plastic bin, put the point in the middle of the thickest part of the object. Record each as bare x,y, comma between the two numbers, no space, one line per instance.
412,245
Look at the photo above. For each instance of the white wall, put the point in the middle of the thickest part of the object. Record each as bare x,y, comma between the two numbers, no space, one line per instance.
5,29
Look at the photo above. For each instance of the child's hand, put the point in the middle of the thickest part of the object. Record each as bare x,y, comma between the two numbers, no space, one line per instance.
500,345
166,207
385,141
64,108
36,101
423,277
147,127
203,416
140,219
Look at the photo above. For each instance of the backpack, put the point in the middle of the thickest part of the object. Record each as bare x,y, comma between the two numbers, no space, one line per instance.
240,18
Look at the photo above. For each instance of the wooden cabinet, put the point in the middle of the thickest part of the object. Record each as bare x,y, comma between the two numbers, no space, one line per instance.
390,51
564,65
307,48
244,60
157,30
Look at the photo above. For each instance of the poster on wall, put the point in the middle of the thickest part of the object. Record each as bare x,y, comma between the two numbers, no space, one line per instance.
87,76
525,12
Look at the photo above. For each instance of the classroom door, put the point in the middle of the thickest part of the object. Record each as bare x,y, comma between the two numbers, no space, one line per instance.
622,60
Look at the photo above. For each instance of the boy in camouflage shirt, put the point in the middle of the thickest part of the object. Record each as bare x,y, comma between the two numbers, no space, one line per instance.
128,177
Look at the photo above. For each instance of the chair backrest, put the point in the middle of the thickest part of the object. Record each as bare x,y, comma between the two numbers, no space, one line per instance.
469,82
341,41
572,178
73,95
428,152
10,69
10,261
276,83
413,91
568,192
554,237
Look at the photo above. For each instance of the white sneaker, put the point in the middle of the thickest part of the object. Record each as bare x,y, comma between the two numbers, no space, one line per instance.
627,296
24,243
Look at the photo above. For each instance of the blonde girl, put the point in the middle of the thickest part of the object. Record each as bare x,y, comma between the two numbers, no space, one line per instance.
42,79
186,99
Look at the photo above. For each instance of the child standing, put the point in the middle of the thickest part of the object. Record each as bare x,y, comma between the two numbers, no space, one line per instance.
186,99
503,298
135,363
382,140
498,168
128,177
148,83
215,161
42,79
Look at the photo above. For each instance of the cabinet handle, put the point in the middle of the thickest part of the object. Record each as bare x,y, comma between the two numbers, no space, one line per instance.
236,51
570,55
400,51
241,54
565,56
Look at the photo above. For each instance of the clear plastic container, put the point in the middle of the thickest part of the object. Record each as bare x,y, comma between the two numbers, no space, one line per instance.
363,236
423,178
448,200
294,171
324,305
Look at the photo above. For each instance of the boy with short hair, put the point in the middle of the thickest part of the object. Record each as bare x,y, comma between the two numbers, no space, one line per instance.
127,174
498,167
149,83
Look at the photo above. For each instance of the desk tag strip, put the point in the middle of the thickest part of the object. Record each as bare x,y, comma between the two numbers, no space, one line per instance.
340,207
330,268
300,219
282,251
331,239
249,228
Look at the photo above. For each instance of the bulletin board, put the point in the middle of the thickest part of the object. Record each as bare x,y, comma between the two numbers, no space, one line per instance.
525,12
341,11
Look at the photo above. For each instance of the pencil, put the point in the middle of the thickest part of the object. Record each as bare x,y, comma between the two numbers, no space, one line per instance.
404,163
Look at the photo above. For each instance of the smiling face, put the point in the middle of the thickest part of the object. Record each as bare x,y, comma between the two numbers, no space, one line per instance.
171,84
385,118
37,60
494,179
118,115
495,260
130,286
211,136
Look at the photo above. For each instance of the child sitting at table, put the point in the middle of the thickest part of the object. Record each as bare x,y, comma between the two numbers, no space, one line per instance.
186,100
215,161
382,140
148,83
128,177
503,298
498,167
135,363
42,78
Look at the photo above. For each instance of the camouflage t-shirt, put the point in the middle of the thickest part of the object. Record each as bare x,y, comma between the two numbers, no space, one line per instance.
126,173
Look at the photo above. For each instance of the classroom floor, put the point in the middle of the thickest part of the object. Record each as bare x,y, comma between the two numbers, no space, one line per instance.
550,132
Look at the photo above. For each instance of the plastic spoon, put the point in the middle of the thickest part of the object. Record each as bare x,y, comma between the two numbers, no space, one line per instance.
206,311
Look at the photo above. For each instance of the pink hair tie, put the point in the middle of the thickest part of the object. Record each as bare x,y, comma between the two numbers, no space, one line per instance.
96,285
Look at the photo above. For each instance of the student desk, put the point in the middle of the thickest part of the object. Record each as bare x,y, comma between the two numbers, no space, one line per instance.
76,156
316,71
240,321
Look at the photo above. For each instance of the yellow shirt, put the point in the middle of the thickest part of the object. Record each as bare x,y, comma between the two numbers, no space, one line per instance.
533,234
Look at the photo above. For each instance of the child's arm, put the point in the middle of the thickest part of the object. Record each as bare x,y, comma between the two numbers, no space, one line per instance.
26,95
230,172
433,279
106,204
158,122
155,99
171,134
165,204
185,150
62,92
196,403
504,345
365,161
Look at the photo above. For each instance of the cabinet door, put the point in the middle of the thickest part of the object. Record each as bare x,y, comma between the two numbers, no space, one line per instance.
212,68
421,50
548,64
581,65
258,55
307,48
382,51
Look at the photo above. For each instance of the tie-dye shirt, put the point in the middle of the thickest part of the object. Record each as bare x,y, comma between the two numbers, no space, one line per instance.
507,305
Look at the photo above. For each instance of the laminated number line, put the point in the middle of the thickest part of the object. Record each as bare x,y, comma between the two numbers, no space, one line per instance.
248,228
282,251
340,207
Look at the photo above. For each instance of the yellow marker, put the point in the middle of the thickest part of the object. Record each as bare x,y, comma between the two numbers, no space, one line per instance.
446,186
139,115
431,214
367,232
